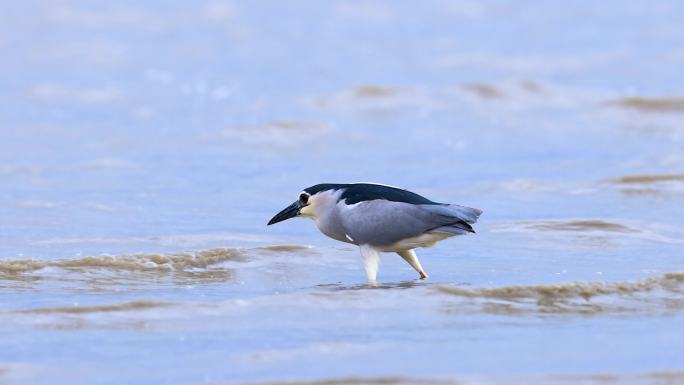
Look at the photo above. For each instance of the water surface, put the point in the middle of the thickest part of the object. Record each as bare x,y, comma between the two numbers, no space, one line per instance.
145,145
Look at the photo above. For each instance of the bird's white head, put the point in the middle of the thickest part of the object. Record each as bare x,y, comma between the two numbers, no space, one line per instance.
311,203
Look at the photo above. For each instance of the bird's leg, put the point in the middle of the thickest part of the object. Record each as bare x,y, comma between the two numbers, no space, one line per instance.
410,257
371,261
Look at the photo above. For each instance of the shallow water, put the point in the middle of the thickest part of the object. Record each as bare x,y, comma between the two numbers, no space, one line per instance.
145,146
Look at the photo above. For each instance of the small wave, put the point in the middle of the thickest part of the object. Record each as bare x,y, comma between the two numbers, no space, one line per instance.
641,192
585,290
182,261
147,262
485,90
577,225
646,378
661,377
275,132
649,185
21,266
286,248
577,297
374,91
376,100
652,232
363,381
650,104
648,178
664,377
126,306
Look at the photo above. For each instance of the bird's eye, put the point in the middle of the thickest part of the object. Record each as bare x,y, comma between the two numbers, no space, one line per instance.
304,198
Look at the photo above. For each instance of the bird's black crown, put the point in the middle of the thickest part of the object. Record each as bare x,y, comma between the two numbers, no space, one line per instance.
359,192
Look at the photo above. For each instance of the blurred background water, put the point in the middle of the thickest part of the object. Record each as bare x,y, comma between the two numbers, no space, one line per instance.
144,145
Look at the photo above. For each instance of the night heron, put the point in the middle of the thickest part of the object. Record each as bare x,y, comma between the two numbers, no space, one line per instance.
380,218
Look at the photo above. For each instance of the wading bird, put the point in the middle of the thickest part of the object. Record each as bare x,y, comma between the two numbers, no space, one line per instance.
380,218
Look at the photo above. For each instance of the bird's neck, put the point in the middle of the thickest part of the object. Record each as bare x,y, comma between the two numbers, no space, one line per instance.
330,224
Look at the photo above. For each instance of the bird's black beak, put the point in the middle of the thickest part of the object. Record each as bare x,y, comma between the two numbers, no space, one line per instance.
290,211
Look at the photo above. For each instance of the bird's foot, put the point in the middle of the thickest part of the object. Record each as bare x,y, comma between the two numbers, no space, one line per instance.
423,275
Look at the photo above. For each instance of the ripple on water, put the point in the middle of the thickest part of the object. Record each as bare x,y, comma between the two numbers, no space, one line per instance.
389,380
650,184
376,100
577,225
643,104
648,178
663,293
276,132
181,261
213,265
77,309
659,377
485,90
598,228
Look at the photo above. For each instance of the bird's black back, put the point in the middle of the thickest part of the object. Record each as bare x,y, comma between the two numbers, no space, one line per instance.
359,192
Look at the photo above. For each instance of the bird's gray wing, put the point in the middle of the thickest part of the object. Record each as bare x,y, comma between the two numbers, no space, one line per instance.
380,222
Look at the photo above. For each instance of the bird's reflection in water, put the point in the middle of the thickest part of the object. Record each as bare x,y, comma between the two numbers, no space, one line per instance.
375,285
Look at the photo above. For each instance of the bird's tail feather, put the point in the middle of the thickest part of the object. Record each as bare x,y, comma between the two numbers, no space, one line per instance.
466,214
453,219
456,228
